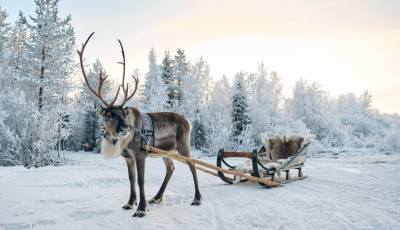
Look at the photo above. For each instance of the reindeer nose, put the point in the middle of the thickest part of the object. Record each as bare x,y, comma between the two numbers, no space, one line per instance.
124,129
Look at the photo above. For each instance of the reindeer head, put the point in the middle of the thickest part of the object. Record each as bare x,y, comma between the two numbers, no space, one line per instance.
115,118
115,121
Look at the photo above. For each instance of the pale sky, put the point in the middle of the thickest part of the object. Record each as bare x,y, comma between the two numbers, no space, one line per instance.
345,45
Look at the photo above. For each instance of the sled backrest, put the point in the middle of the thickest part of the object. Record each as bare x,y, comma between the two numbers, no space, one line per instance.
298,159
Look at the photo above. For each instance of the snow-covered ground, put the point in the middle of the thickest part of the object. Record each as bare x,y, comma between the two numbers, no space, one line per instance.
351,193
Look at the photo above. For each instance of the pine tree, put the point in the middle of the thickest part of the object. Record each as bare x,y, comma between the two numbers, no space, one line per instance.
91,126
139,97
181,71
166,68
240,117
199,135
155,91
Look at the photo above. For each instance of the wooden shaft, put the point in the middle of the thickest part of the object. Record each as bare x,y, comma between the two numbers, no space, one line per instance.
200,168
175,156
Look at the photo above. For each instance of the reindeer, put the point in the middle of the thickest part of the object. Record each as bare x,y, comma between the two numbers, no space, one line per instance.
171,133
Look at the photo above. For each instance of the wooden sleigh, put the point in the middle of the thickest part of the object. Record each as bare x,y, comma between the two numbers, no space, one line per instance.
260,168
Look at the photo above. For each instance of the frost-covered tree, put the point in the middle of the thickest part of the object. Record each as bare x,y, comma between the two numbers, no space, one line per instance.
276,94
4,40
18,50
221,97
391,139
4,30
91,129
49,52
194,104
219,122
365,101
313,106
265,96
166,68
360,121
199,135
201,72
181,70
139,99
155,90
240,107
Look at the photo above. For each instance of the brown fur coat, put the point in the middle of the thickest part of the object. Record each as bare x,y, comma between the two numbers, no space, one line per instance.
282,147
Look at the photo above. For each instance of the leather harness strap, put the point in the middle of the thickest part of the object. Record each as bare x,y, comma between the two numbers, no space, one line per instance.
147,132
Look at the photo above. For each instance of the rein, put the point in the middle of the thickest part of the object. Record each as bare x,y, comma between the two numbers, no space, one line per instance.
138,132
146,135
147,132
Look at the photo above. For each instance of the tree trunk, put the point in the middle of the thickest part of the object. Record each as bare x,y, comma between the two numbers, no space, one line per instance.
94,131
41,80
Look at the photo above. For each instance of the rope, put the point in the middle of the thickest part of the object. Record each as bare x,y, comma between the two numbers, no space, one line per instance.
138,132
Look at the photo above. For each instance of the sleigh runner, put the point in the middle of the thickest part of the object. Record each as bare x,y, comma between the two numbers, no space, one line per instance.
258,165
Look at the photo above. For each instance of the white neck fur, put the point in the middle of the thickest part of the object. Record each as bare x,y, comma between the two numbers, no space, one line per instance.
109,150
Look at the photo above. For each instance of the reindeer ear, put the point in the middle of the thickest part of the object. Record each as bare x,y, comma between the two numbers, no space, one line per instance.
128,111
100,109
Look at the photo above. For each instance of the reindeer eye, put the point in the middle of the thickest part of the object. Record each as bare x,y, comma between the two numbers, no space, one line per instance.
108,116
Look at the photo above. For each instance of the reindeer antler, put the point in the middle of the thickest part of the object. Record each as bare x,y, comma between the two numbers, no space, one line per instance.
101,79
125,90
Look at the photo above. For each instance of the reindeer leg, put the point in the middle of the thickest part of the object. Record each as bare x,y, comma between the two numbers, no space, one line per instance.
140,165
130,162
169,164
183,148
197,195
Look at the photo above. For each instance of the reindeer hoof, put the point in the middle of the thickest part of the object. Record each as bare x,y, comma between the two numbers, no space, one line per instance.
196,202
139,213
155,201
128,206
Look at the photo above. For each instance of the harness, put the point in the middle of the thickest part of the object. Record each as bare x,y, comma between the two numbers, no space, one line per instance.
147,132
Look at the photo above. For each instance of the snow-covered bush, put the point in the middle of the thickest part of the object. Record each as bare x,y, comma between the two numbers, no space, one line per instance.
391,141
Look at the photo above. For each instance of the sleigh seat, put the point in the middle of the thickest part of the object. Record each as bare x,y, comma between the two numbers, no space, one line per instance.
259,165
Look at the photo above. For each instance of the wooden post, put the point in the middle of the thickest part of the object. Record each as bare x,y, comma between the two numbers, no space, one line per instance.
194,161
288,175
300,173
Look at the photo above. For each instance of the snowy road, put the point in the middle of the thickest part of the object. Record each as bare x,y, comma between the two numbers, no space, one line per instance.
353,193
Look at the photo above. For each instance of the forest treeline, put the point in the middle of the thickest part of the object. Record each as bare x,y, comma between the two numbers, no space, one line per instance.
46,107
